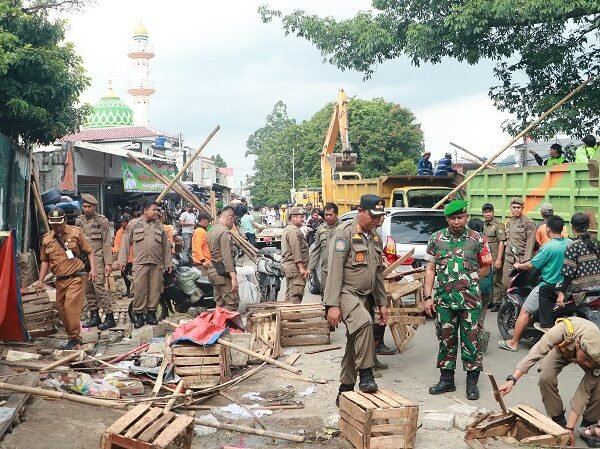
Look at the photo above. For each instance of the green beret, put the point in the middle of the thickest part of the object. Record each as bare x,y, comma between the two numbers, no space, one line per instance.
455,207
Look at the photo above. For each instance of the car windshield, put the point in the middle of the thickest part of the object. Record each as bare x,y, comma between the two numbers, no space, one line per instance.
415,228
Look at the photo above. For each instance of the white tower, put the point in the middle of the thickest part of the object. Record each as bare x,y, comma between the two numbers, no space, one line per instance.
140,87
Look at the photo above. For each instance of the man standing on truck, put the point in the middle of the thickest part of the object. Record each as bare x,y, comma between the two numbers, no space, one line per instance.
520,237
424,166
556,156
495,232
294,256
586,151
444,167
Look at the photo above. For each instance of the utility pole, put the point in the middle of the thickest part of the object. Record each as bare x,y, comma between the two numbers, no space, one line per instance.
294,168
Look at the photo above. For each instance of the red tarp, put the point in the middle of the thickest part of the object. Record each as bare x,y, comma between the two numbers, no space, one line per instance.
67,184
207,327
12,322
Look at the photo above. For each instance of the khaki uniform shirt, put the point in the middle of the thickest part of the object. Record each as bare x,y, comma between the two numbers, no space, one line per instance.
355,265
97,232
495,233
319,253
151,245
55,254
520,234
294,248
560,338
221,249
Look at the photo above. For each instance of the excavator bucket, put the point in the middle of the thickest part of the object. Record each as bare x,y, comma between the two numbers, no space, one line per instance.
345,161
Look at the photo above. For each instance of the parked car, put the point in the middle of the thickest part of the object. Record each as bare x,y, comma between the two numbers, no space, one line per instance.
271,235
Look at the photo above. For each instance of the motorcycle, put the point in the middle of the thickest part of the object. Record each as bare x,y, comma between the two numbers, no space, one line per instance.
199,296
269,273
521,283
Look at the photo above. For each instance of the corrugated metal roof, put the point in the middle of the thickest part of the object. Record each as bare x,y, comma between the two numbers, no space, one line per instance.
115,134
102,149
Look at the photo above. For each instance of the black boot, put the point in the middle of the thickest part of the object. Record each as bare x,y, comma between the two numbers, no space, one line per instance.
379,365
472,388
94,319
109,322
560,419
72,344
343,387
587,423
151,318
382,349
446,383
367,383
139,320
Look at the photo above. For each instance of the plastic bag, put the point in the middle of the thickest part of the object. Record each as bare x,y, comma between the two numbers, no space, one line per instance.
87,386
186,280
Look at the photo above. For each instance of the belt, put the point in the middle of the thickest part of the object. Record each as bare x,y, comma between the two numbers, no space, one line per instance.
69,276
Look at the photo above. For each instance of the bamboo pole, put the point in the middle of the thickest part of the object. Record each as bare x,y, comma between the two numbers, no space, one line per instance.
40,206
467,151
512,142
171,402
68,358
58,395
187,164
248,430
264,358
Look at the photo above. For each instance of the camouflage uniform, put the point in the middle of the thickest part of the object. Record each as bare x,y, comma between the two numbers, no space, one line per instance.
457,297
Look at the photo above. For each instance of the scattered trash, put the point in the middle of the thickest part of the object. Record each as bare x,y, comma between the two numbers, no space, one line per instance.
309,391
253,396
203,431
236,410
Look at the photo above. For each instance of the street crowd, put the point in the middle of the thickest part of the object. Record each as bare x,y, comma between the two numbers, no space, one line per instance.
469,266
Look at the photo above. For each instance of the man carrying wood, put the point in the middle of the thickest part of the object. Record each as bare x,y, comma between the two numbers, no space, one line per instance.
354,284
294,256
222,272
571,340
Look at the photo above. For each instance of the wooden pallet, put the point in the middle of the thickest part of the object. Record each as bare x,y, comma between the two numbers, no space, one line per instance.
145,427
304,325
39,314
14,401
264,328
201,366
379,420
522,425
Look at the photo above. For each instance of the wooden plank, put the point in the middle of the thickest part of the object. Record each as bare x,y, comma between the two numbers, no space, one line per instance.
418,320
143,422
27,309
353,435
292,358
156,427
32,317
127,419
387,399
304,341
314,331
198,370
539,440
386,442
197,361
302,315
399,262
360,400
399,399
196,351
352,421
16,401
390,413
305,325
118,441
329,348
374,399
199,382
549,426
396,429
173,431
410,434
352,409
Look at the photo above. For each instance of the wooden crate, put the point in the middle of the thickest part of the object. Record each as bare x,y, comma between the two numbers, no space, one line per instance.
264,329
379,420
522,425
201,366
39,314
303,325
145,427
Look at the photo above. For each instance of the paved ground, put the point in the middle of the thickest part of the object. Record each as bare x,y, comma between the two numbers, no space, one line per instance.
61,425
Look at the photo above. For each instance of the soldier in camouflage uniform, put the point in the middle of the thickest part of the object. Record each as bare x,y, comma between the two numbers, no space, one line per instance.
457,257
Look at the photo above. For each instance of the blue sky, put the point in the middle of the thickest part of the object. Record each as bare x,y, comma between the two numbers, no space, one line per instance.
217,63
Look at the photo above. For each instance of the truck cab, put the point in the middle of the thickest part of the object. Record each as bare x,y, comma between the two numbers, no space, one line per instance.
422,197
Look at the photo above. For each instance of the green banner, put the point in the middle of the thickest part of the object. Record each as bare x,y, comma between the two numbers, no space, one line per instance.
137,179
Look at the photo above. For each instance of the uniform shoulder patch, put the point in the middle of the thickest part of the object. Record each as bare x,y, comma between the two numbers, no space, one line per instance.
596,372
340,245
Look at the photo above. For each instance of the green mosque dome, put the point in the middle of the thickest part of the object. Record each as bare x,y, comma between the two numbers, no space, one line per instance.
110,112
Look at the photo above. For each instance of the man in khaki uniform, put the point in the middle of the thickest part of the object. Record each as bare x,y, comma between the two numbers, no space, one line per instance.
319,253
222,272
520,237
294,256
496,238
354,284
60,252
96,229
571,340
151,257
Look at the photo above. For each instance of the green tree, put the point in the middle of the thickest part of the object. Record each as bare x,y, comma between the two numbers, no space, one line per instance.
41,75
543,48
219,161
383,135
406,167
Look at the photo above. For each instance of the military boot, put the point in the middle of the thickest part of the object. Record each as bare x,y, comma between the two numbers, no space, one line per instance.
382,349
94,319
472,388
72,344
151,318
139,320
446,383
343,388
367,383
109,321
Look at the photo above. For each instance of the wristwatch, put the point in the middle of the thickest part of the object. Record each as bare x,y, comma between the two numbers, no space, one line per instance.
427,297
513,378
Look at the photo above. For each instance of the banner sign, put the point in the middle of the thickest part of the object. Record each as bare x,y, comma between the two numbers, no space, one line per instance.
137,179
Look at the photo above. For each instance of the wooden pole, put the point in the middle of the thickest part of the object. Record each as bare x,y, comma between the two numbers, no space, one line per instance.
38,202
171,402
264,358
467,151
187,164
64,360
249,430
213,204
508,145
27,225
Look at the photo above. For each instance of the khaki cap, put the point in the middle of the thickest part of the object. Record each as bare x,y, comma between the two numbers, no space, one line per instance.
517,200
89,199
590,344
296,211
56,216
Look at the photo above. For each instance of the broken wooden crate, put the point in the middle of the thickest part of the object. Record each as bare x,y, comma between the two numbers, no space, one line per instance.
383,419
145,427
201,366
303,325
39,313
522,425
264,333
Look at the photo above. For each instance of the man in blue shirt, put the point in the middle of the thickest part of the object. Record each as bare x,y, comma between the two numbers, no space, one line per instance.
444,167
424,166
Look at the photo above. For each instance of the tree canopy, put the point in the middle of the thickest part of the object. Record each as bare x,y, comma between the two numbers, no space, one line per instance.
41,75
543,49
219,161
383,134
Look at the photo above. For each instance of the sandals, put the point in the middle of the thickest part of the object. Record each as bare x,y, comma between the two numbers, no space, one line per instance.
503,345
593,439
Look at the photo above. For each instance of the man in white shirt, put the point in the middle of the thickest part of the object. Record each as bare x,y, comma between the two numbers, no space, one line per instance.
187,220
